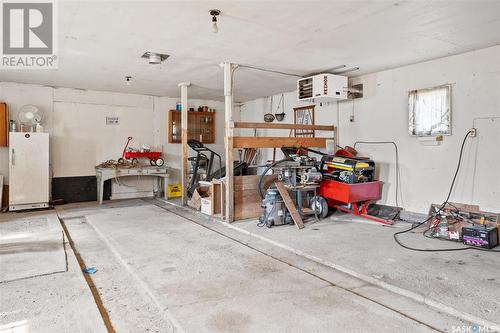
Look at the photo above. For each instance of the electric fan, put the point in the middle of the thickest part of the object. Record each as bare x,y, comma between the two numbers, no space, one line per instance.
30,116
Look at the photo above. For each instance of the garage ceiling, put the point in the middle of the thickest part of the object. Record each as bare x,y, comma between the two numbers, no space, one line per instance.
101,42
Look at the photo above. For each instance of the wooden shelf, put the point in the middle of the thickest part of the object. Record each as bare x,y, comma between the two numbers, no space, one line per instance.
277,142
242,124
201,126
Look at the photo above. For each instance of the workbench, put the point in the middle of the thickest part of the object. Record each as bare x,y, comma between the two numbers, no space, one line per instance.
103,174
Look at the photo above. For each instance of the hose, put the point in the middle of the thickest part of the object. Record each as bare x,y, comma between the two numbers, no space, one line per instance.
262,196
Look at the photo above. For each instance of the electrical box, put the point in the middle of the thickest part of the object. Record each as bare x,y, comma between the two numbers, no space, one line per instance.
329,86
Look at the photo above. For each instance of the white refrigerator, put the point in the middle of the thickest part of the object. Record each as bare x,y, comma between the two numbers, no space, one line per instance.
28,170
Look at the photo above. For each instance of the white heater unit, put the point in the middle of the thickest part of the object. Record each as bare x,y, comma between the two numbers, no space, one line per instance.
325,85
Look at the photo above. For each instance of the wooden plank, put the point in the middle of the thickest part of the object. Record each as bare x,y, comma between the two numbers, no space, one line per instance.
241,124
218,198
244,196
251,183
242,212
277,142
254,179
184,139
299,119
253,188
247,199
228,139
290,205
305,107
250,179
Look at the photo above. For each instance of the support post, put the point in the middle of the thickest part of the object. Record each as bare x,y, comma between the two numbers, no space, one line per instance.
228,139
184,139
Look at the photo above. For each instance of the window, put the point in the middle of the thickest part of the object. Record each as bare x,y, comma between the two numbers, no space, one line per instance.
430,111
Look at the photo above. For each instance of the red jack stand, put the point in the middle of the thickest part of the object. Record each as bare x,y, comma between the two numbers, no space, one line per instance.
360,209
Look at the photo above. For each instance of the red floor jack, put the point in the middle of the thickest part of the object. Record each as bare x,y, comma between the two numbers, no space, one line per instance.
348,181
153,156
358,196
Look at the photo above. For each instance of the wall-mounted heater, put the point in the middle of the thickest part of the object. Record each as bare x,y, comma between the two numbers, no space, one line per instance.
322,86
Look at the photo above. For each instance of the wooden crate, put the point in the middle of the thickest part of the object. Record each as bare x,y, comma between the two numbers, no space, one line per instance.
247,199
218,198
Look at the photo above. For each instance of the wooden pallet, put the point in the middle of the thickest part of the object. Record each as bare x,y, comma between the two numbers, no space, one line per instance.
290,205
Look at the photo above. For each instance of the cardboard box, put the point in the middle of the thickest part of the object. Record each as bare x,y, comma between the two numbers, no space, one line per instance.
198,194
206,206
174,191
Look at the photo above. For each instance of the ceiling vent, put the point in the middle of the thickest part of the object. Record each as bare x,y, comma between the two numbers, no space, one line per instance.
155,58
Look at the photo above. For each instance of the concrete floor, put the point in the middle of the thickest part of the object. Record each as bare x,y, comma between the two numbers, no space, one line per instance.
459,282
52,300
20,238
163,269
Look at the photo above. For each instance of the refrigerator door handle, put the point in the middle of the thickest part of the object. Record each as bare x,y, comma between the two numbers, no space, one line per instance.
13,157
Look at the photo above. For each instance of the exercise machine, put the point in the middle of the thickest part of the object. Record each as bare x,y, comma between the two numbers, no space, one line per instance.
205,158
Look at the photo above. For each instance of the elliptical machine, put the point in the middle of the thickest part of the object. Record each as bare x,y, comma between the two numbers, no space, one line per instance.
205,157
201,158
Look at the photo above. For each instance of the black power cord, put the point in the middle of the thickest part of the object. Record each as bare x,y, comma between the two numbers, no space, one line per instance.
439,211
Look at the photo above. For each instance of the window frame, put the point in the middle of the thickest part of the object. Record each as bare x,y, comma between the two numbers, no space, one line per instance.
411,121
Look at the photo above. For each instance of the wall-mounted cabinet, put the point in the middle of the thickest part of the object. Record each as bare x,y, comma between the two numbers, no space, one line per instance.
201,126
4,125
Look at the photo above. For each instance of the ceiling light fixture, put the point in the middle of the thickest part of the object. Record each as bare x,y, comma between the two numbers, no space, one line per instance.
214,13
347,70
127,80
155,58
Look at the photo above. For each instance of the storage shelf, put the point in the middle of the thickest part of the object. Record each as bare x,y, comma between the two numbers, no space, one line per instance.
201,126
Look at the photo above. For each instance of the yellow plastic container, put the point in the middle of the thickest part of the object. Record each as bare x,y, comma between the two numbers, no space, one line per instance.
174,191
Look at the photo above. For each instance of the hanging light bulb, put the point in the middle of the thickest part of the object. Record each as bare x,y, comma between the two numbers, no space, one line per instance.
214,13
127,80
215,29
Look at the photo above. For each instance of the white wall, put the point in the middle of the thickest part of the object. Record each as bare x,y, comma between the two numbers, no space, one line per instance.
80,138
382,115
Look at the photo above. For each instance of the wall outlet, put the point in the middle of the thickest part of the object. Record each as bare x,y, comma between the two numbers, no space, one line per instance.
473,132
